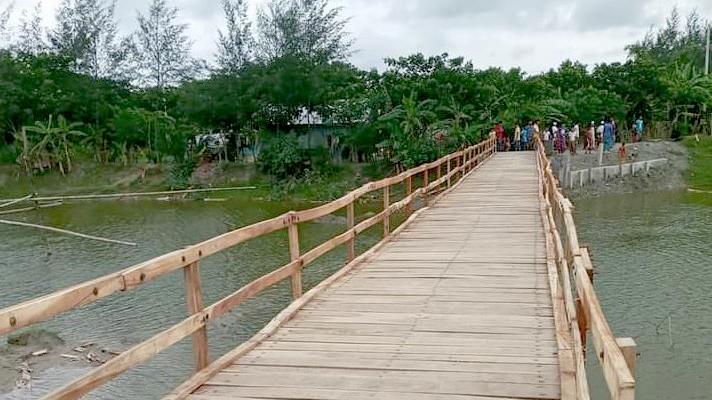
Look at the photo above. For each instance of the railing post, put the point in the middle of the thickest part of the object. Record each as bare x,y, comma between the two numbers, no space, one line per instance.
457,168
425,186
194,298
439,174
448,171
630,353
408,192
464,162
387,217
293,231
350,220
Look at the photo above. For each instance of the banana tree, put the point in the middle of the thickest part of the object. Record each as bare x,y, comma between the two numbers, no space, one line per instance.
53,142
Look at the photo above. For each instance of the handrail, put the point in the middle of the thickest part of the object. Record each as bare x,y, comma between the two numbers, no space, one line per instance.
39,309
583,313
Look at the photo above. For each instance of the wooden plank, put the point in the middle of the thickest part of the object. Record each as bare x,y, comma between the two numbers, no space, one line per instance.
223,392
194,300
195,381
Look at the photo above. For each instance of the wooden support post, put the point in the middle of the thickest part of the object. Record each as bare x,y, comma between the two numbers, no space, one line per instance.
630,353
408,191
440,174
425,187
350,219
387,217
582,322
587,262
294,255
194,298
448,172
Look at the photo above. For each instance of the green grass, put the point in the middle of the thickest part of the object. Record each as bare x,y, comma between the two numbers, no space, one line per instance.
700,171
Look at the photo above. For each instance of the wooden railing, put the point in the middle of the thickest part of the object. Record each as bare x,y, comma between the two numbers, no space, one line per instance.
30,312
576,300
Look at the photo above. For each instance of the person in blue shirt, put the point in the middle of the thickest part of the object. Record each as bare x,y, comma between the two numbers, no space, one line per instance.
608,138
526,132
639,127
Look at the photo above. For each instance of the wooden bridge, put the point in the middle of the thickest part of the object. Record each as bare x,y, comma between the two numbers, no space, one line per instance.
475,296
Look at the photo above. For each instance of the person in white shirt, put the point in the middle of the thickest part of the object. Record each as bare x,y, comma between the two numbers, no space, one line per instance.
573,138
549,136
599,134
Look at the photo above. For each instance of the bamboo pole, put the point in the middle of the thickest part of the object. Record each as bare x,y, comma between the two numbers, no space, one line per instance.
66,232
15,201
20,210
121,195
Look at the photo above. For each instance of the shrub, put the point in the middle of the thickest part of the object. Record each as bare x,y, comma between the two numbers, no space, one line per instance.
281,157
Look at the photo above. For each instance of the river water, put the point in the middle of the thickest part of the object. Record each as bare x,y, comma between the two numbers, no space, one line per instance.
651,253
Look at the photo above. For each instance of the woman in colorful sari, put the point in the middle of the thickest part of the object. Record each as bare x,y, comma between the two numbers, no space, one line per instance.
561,140
608,140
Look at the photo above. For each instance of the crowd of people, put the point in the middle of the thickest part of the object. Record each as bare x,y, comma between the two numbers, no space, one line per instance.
560,138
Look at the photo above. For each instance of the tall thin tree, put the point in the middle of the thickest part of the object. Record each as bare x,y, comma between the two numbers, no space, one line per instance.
31,34
308,29
86,32
162,53
4,19
235,45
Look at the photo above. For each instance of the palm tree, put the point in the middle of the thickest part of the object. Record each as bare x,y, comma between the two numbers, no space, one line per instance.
412,116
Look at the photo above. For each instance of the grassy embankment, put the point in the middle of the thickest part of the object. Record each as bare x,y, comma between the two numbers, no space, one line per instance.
699,175
89,177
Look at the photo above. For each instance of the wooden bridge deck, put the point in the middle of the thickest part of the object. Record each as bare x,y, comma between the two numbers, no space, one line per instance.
457,306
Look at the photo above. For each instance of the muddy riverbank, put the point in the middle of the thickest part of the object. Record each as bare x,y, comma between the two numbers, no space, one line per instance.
665,178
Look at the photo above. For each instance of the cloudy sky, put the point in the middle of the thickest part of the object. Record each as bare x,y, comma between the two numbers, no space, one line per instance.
532,34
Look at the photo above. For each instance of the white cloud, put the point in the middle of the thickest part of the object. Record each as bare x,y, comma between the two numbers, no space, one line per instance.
535,35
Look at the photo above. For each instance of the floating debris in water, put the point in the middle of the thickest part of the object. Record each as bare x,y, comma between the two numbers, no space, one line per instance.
40,352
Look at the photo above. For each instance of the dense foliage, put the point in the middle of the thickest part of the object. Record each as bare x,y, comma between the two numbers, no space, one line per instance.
71,97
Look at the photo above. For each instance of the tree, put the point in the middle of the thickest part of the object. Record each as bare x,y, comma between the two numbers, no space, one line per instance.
32,34
4,18
305,29
235,45
53,142
86,33
162,53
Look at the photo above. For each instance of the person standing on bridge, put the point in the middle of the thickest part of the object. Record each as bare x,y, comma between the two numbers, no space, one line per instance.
550,138
501,136
517,137
536,131
526,132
